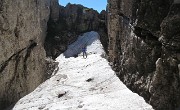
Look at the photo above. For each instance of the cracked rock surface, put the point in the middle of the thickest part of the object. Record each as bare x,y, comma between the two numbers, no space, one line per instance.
144,47
23,26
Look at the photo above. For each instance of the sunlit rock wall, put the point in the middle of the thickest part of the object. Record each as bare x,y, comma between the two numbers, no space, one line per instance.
23,25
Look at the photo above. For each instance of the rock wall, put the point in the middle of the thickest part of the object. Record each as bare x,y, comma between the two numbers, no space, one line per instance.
23,25
144,48
73,20
54,10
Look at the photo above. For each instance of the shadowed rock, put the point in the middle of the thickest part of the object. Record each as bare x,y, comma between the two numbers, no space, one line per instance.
144,53
73,21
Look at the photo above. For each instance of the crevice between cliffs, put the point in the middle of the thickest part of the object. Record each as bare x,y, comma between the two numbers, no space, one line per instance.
65,25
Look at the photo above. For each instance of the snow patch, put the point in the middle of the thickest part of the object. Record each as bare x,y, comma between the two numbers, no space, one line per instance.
71,88
90,40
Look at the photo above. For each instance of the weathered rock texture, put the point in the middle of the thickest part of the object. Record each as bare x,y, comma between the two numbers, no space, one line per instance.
144,48
23,26
54,10
73,20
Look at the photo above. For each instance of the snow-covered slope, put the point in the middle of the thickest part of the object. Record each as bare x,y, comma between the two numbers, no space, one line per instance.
83,84
89,39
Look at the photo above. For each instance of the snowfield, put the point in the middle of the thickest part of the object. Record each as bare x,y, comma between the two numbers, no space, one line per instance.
83,84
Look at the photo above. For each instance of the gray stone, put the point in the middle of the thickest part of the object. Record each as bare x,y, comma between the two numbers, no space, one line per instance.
145,56
23,25
73,20
176,1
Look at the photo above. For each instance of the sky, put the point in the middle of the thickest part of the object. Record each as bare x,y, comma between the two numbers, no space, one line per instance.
98,5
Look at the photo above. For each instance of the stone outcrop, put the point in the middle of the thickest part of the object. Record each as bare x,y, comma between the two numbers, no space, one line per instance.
23,25
144,48
54,10
73,20
51,67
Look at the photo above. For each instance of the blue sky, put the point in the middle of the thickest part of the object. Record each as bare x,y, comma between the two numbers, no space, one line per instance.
95,4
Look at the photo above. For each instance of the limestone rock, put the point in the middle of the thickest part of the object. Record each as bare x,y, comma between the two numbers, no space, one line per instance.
23,25
54,10
144,48
73,21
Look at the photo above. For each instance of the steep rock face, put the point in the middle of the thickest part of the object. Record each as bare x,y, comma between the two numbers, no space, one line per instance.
144,46
54,10
22,56
73,20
